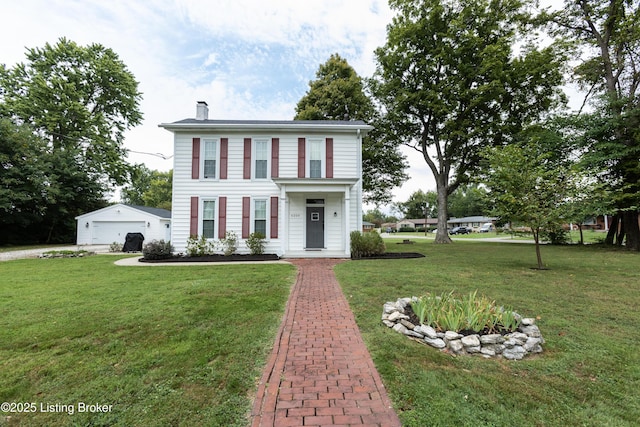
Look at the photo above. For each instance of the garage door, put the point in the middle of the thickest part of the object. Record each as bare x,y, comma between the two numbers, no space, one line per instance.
107,232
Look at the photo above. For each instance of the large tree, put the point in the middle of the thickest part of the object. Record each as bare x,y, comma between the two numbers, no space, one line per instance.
79,101
80,98
607,34
338,93
451,82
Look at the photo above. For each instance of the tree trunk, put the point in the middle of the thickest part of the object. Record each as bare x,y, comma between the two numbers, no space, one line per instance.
536,239
581,235
613,230
632,230
442,235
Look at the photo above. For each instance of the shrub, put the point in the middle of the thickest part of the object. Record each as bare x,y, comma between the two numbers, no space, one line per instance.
115,247
157,249
407,229
229,243
366,245
199,246
446,313
255,243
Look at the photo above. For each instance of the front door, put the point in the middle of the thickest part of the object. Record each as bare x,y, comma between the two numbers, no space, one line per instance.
315,227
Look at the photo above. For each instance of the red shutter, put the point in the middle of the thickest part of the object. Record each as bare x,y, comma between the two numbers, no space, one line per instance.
224,157
301,157
247,159
329,153
193,224
222,217
195,158
275,157
246,217
274,217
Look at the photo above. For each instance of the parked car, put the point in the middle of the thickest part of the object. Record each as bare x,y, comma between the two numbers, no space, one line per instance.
460,230
487,227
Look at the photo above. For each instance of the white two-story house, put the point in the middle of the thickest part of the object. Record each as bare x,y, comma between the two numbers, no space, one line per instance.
299,183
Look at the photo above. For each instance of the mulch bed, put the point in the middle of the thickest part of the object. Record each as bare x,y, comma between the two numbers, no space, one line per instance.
216,258
394,255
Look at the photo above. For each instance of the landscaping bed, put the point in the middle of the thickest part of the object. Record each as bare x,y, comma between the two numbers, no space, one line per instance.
215,258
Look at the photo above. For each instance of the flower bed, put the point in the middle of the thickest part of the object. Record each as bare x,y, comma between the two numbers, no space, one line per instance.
513,345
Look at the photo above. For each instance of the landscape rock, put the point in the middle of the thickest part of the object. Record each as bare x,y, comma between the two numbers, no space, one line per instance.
451,336
456,346
513,346
437,342
407,324
427,331
514,353
471,341
397,316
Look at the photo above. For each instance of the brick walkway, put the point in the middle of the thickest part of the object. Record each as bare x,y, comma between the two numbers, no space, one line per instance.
320,372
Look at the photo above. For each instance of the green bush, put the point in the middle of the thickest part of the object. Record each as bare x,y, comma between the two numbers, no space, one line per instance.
115,247
157,249
229,243
199,246
407,230
366,245
446,313
255,243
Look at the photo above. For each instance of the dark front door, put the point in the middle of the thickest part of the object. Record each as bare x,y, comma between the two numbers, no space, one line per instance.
315,227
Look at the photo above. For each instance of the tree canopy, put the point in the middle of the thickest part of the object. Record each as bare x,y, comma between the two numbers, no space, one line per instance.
451,82
527,187
66,109
606,34
149,188
338,93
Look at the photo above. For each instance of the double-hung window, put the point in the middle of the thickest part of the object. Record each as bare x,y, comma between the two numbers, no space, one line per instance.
260,217
315,158
261,149
208,219
210,156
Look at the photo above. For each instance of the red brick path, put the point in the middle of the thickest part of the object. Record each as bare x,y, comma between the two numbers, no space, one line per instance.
320,372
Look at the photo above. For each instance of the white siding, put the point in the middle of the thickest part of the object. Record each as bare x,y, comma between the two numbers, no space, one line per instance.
92,226
292,215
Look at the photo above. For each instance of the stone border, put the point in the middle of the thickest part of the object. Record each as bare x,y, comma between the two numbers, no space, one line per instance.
513,346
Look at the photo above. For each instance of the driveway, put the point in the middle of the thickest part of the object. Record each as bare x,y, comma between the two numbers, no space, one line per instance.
35,253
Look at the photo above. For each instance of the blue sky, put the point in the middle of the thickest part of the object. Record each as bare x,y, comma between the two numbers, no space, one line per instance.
249,59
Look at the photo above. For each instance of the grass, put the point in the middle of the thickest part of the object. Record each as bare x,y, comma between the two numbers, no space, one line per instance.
589,374
162,345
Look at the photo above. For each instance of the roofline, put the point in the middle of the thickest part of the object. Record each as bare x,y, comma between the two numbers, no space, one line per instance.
294,125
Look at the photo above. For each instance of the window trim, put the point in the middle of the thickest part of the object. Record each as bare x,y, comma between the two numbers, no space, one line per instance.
323,155
254,157
216,158
201,218
267,211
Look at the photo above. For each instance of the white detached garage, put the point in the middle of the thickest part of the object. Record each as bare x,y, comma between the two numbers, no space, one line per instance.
111,224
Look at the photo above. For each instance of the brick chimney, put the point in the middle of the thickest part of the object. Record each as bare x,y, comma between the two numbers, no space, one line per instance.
202,111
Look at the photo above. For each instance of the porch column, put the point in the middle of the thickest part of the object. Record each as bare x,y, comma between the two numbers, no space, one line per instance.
347,221
284,215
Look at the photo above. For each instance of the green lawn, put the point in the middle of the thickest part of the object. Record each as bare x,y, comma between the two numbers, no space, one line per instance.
185,345
162,345
589,374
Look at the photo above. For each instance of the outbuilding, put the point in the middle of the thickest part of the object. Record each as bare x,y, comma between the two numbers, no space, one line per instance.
113,223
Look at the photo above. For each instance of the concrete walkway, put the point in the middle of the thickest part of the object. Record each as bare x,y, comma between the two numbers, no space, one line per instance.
320,372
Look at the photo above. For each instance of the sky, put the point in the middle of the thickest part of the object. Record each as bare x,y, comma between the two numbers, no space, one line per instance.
248,59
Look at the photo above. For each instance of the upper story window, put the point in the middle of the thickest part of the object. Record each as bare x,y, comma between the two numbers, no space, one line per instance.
316,154
261,158
210,158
